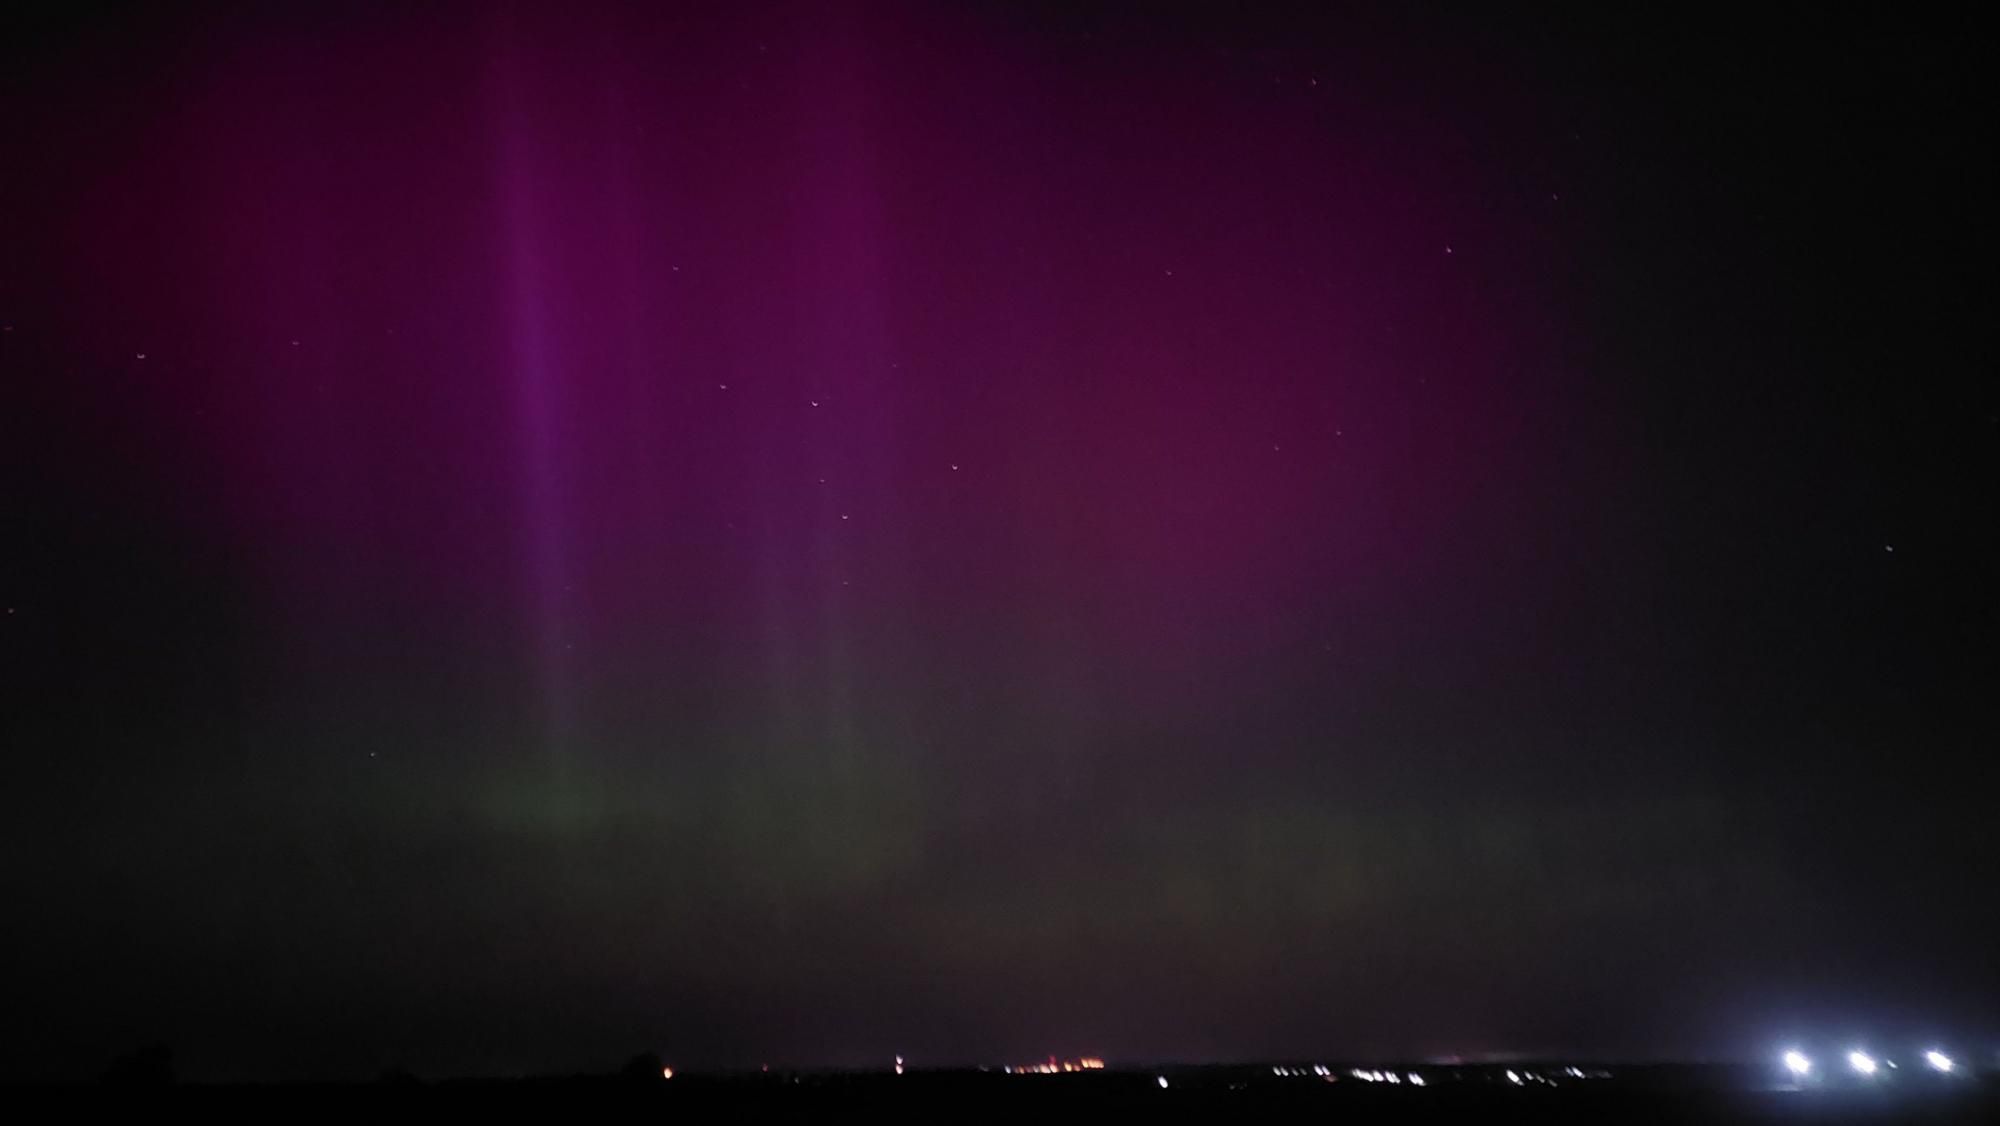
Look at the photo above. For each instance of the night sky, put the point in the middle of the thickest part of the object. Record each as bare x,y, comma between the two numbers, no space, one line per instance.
794,534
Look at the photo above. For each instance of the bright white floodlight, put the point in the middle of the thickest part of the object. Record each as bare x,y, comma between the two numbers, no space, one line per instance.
1861,1062
1797,1063
1939,1060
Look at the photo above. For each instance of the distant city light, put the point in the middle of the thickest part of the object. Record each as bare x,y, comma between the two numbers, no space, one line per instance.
1513,1078
1861,1062
1052,1066
1162,1081
1939,1060
1797,1063
666,1073
1416,1080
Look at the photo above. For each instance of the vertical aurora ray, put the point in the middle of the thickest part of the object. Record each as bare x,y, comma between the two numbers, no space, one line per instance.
534,378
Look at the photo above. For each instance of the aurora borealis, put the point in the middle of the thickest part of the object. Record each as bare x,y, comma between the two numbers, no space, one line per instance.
809,532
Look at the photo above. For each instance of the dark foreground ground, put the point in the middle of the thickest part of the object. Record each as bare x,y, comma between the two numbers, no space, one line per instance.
1206,1094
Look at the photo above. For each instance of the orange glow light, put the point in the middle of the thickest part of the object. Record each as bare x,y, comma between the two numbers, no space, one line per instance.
1054,1066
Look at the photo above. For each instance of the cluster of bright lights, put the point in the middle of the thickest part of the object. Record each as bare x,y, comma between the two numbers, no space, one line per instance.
1318,1070
1371,1076
1052,1066
1863,1064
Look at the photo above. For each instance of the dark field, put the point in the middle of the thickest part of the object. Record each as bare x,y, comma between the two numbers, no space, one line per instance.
1652,1094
